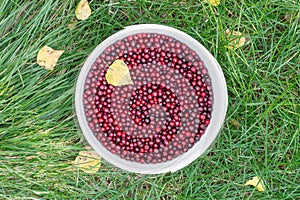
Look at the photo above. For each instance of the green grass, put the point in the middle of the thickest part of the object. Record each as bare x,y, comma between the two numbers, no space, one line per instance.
39,136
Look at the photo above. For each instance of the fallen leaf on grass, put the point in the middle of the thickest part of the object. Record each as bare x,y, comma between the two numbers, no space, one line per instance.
118,74
72,25
47,57
256,182
213,2
235,39
235,123
83,10
88,161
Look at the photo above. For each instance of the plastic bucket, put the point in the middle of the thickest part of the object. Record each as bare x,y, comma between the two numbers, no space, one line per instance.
219,106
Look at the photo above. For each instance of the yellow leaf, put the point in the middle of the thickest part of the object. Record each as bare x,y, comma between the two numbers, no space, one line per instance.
118,74
213,2
235,33
47,57
256,182
83,10
88,161
235,39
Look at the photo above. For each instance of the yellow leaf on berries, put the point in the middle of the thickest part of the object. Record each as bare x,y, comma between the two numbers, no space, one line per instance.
88,161
83,10
256,182
118,74
47,57
213,2
235,39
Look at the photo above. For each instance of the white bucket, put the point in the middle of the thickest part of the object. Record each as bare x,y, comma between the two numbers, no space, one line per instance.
217,116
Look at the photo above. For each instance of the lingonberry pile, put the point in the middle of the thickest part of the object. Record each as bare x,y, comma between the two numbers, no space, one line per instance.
164,113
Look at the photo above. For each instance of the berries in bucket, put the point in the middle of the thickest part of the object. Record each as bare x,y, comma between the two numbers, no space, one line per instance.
150,99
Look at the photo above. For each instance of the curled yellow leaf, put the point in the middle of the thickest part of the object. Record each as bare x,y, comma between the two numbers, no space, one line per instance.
48,57
83,10
235,39
118,74
88,161
213,2
256,182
